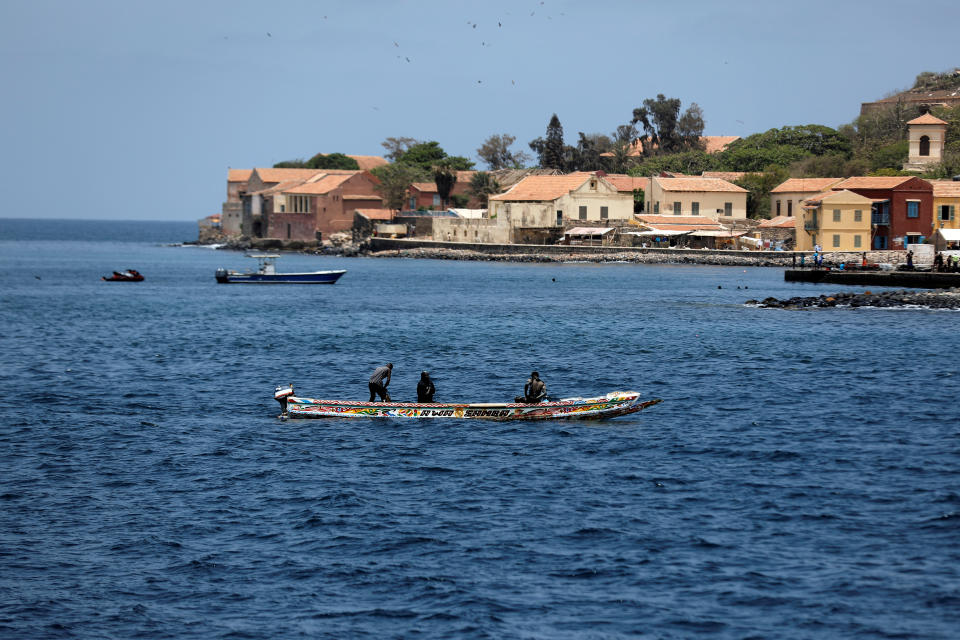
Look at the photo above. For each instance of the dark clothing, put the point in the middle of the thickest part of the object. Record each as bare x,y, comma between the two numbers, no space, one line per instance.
535,390
378,383
425,390
378,389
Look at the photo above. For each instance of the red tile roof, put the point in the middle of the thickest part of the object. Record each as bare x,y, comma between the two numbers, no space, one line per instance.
927,118
369,162
698,185
543,188
624,182
323,185
945,188
281,175
376,214
729,176
238,175
779,222
678,223
871,182
805,185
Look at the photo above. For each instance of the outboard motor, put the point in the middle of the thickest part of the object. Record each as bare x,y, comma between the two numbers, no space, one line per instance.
281,394
221,275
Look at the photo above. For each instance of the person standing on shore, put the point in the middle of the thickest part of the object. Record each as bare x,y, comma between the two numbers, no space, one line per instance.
379,381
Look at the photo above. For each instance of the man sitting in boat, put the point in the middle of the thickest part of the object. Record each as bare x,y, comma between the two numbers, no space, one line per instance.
425,388
379,381
535,390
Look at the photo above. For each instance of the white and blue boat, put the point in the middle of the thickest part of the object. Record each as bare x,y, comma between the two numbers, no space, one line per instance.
266,273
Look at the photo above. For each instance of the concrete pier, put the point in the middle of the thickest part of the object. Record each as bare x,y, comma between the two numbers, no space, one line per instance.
913,279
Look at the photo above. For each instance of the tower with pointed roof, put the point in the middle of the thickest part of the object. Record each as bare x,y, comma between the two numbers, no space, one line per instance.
926,135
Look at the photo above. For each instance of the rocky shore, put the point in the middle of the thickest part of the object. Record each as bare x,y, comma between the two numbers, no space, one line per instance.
638,257
944,299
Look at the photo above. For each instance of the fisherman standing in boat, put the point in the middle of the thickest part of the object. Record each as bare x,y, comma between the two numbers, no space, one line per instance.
535,390
379,381
425,388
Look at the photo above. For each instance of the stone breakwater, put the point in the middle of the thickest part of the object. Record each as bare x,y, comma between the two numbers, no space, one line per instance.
639,257
945,299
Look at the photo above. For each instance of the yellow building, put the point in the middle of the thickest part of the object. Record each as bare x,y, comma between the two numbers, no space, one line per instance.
835,220
946,204
787,197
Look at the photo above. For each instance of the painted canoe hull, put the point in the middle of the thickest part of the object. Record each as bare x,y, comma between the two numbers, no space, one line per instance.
611,405
315,277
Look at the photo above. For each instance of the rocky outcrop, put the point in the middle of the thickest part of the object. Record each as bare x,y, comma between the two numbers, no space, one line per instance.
945,299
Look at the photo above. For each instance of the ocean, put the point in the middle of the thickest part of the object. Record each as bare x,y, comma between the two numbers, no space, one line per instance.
800,479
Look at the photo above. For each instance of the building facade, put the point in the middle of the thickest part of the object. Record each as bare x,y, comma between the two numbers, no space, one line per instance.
902,209
946,204
708,197
926,135
786,199
835,220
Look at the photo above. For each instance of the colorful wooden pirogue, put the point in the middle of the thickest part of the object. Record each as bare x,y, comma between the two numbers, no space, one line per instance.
611,405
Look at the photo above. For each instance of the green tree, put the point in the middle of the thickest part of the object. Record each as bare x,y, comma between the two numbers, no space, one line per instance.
664,129
396,147
691,162
495,151
482,186
890,156
759,186
299,163
550,150
445,177
427,154
395,180
332,161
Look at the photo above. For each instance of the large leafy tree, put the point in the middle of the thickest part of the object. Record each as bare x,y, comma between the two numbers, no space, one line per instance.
495,151
395,180
396,147
426,155
482,186
664,129
332,161
759,186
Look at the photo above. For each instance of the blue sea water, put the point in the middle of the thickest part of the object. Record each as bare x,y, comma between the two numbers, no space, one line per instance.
801,478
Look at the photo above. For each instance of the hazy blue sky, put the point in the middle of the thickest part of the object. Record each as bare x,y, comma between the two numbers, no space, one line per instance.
135,110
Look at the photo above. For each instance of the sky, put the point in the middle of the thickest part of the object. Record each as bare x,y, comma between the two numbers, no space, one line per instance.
135,110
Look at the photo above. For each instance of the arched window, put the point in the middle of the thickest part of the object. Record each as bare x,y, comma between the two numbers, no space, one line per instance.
924,145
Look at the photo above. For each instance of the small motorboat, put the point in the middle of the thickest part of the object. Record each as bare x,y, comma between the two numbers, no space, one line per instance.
266,273
610,405
130,275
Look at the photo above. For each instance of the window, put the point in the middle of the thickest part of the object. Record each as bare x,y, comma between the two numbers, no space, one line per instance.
694,208
856,241
436,200
559,218
913,238
778,207
677,208
913,208
299,204
604,213
924,145
288,231
789,207
728,208
656,207
836,215
836,240
858,217
583,213
283,208
593,185
880,242
946,212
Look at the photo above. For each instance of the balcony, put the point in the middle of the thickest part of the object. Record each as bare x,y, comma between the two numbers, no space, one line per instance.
880,218
809,225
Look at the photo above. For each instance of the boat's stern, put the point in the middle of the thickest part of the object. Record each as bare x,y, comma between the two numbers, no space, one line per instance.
281,394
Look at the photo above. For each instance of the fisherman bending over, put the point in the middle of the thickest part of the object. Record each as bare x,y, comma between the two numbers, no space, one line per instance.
379,381
425,388
535,390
